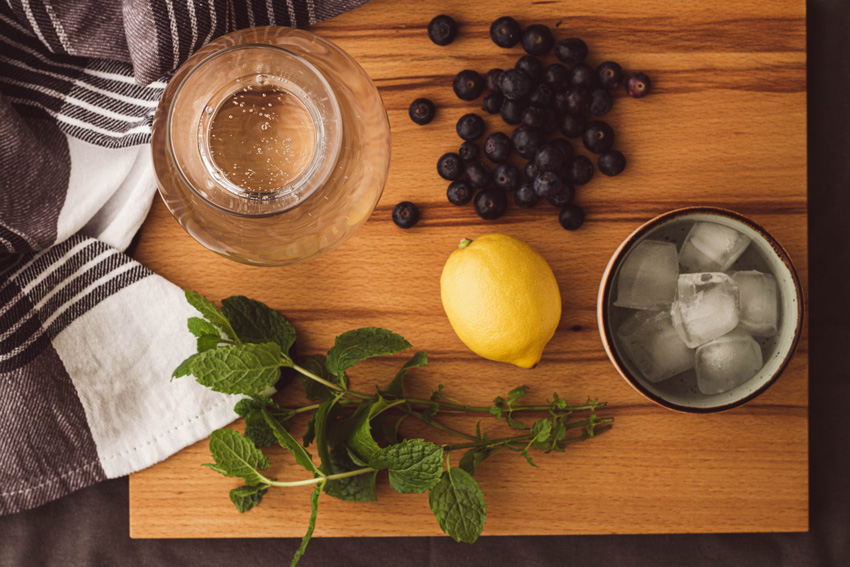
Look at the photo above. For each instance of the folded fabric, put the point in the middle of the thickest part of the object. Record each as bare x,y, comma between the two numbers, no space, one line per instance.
89,337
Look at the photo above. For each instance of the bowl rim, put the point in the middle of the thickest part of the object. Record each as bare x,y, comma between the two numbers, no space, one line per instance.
606,286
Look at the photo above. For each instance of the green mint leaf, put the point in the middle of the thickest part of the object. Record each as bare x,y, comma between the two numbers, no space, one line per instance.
254,403
541,430
288,442
207,342
515,394
514,423
317,392
210,312
239,369
525,454
396,387
414,465
458,504
246,497
255,322
310,434
473,458
360,344
258,431
236,456
331,436
200,327
361,440
185,367
314,511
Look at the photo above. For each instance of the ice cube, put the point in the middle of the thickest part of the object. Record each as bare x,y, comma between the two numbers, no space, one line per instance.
647,278
757,299
652,344
711,247
727,362
706,307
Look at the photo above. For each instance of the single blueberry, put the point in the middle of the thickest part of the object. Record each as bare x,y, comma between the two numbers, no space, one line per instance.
505,32
526,141
515,84
610,74
611,163
450,166
548,183
405,214
491,203
492,103
478,174
638,85
506,177
557,76
571,51
578,99
511,111
598,137
491,80
534,117
421,111
571,217
497,147
579,170
541,95
537,39
550,158
468,151
584,75
601,102
470,127
459,192
572,125
525,197
563,197
468,84
442,30
532,66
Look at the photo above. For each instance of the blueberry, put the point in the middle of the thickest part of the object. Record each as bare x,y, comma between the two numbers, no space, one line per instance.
563,197
532,66
491,81
537,39
405,214
531,170
571,51
442,30
610,74
450,166
478,174
571,217
541,95
421,111
549,158
468,151
559,101
598,137
471,127
584,75
492,103
612,163
551,122
505,32
565,147
506,177
526,141
490,203
459,192
578,99
515,84
497,147
534,117
511,111
557,76
468,84
638,85
548,183
601,102
572,125
579,170
525,197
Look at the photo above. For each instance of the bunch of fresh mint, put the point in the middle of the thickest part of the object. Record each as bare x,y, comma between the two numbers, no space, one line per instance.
241,349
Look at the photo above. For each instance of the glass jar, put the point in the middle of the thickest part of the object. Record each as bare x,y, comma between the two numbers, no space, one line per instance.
271,146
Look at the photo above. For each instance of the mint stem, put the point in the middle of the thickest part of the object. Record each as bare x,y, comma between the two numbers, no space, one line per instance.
319,479
502,441
438,425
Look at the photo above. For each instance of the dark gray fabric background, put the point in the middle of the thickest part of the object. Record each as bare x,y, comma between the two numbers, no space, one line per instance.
90,527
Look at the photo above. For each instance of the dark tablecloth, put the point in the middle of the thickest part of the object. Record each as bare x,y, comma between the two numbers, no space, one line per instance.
91,527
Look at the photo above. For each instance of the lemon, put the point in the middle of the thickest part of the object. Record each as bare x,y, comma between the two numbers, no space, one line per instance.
501,298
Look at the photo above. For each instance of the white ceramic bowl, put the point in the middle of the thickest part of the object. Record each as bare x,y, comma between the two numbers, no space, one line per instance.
680,393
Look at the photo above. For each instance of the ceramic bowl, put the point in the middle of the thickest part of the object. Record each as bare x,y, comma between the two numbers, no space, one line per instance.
680,392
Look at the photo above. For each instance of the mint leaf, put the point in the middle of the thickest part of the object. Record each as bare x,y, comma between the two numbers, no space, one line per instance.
458,504
246,497
330,443
541,430
473,458
184,368
207,342
255,322
361,441
515,394
199,327
396,387
258,431
310,434
236,456
288,442
210,312
414,465
254,403
239,369
360,344
314,511
317,392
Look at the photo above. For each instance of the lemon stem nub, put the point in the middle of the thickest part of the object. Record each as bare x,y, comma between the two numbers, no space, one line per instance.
464,243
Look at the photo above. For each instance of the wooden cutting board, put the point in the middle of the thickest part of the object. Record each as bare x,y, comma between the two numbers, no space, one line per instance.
725,126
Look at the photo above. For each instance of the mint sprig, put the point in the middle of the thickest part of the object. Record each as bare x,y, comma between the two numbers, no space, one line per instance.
241,350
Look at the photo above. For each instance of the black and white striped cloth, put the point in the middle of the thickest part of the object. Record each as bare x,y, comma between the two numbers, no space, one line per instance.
88,336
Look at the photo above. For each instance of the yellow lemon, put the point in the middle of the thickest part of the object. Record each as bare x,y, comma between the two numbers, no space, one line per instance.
501,298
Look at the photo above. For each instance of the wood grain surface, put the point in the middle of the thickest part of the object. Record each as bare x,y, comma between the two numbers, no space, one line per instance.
725,126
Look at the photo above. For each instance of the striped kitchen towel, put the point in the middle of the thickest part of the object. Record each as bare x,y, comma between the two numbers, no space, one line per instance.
89,337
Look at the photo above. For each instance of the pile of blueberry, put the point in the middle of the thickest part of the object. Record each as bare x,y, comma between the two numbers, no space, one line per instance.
540,101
